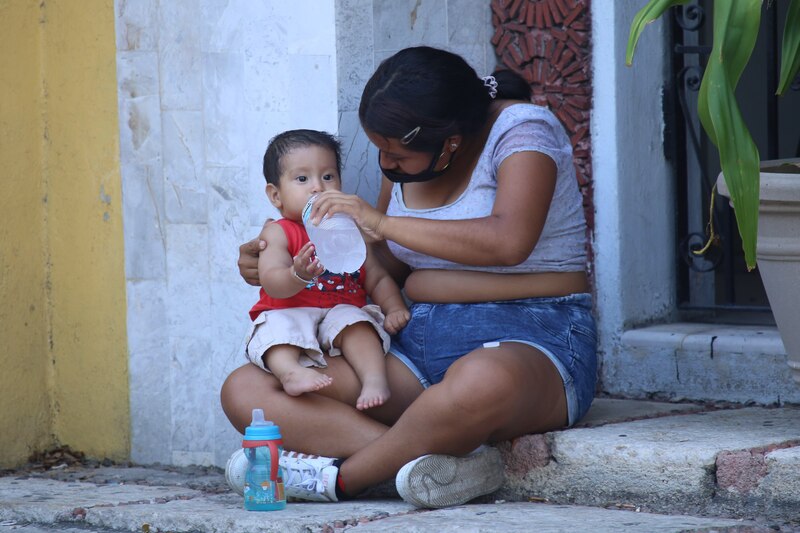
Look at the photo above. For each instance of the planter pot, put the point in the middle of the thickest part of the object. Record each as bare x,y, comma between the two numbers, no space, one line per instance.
778,249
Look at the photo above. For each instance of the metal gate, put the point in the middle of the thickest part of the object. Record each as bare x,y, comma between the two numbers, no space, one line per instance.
717,286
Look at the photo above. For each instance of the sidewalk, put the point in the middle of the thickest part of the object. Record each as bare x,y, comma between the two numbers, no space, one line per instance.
700,468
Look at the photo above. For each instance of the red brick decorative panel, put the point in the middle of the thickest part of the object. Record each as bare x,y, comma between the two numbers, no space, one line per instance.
548,43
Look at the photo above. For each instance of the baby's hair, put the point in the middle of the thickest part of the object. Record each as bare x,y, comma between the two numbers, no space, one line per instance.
285,142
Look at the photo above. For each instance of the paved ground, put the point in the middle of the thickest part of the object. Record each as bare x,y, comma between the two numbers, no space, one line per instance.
630,467
195,500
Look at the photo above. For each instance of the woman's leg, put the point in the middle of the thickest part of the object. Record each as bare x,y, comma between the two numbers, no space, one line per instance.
489,395
325,422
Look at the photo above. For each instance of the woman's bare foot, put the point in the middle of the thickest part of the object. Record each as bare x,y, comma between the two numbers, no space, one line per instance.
374,392
303,380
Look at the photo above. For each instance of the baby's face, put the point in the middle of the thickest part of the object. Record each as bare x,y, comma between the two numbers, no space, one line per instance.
305,171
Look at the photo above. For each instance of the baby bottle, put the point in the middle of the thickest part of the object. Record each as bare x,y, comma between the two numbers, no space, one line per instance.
263,482
337,240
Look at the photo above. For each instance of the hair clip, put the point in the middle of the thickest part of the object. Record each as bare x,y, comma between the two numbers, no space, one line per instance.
410,136
490,83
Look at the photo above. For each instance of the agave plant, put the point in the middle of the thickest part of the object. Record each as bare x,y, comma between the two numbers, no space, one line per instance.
735,27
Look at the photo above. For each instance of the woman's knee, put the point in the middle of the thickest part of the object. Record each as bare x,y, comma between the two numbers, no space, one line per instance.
239,390
479,385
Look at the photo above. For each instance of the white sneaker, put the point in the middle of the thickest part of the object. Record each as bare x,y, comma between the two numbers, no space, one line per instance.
235,470
434,481
308,477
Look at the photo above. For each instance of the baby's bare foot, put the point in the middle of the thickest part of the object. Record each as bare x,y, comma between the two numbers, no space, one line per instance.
303,380
374,392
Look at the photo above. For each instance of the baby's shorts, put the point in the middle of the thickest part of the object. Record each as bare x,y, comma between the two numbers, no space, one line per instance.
562,328
310,328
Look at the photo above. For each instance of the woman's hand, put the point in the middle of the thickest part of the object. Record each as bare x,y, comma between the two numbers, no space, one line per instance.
367,217
248,260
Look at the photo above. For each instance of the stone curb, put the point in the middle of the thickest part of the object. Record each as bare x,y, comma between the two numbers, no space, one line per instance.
730,462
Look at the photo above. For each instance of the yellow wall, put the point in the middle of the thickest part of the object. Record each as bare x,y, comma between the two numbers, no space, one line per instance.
25,409
69,364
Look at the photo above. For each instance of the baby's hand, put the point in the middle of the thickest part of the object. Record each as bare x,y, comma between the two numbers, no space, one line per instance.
396,320
305,263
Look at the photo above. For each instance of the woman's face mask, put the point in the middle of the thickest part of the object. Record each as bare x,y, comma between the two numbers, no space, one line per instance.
425,175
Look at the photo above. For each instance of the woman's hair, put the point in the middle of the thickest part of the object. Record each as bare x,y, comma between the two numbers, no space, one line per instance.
285,142
434,90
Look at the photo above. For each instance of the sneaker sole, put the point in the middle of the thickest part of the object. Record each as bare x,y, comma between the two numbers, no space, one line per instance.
435,481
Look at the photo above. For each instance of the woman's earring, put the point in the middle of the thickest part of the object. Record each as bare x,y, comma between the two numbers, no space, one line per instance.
453,147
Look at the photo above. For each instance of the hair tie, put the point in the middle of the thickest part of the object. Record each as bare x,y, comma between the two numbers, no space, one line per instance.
490,83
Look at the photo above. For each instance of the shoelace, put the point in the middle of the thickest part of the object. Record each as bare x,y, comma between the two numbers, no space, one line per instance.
303,475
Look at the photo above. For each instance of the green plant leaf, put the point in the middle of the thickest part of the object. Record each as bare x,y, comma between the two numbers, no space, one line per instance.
738,157
650,12
736,24
790,48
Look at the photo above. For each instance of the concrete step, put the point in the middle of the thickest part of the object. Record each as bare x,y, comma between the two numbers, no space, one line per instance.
738,462
701,362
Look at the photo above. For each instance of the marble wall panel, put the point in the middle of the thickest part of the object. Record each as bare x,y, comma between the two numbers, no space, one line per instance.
220,23
194,393
179,55
149,372
360,172
143,212
228,220
223,109
313,104
354,49
187,280
140,129
309,30
137,73
136,24
469,22
409,22
185,192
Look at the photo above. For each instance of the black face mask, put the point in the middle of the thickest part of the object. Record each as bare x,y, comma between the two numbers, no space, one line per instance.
425,175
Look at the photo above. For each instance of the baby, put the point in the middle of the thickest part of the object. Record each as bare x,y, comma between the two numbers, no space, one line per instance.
305,310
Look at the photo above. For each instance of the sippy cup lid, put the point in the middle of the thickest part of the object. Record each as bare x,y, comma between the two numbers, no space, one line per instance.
260,429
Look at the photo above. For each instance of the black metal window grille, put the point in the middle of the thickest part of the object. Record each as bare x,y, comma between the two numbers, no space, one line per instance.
717,286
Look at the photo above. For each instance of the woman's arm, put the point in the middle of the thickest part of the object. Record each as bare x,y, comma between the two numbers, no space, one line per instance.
380,250
525,185
468,286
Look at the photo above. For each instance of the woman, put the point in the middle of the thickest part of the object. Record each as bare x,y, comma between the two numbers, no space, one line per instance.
479,198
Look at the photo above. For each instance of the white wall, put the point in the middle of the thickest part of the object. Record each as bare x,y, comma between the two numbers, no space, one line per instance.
634,194
203,86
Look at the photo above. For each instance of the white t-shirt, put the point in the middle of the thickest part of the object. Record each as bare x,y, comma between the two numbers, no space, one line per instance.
518,128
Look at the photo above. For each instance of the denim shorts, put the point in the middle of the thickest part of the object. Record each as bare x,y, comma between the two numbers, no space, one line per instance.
562,328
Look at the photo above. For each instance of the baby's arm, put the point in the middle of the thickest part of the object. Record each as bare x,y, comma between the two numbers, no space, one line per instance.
383,290
280,274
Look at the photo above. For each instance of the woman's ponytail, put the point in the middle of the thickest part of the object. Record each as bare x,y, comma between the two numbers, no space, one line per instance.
511,86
